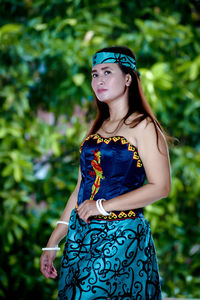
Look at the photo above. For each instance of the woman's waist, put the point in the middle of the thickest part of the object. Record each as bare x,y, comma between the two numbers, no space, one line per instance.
119,215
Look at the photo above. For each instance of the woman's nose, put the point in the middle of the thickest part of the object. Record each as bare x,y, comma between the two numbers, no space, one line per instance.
101,80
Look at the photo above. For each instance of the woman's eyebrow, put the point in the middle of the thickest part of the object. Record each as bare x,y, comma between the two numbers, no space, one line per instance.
101,69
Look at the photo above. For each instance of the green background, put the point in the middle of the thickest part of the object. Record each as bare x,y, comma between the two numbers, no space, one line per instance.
46,104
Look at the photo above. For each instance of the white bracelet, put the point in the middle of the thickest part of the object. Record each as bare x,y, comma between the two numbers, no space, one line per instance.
51,248
62,222
101,209
105,213
98,207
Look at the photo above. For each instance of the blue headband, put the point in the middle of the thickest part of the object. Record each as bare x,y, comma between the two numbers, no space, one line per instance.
111,57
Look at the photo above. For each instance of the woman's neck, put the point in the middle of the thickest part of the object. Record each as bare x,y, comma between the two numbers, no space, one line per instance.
117,111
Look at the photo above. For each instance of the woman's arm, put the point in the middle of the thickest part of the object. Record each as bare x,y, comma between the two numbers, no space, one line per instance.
48,256
157,168
60,231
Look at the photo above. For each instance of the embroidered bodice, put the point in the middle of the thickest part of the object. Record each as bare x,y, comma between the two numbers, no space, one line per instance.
110,167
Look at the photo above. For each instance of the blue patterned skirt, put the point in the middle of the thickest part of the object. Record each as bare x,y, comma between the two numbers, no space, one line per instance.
109,260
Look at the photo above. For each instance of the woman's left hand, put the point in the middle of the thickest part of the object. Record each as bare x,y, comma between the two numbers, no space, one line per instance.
87,209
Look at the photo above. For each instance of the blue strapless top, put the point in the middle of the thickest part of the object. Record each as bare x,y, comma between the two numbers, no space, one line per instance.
110,167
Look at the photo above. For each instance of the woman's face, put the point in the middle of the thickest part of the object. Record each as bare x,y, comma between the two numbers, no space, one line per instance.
108,81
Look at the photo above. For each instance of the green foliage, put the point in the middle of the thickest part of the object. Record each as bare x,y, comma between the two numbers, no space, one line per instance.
45,55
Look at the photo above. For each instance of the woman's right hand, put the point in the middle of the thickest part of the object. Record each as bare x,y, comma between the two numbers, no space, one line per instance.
46,263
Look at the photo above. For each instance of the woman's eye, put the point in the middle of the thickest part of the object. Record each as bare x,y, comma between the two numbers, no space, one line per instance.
94,75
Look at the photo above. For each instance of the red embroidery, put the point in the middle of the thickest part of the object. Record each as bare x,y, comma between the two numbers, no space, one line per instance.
96,164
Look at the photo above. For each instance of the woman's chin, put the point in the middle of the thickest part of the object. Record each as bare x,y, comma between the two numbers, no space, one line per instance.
103,99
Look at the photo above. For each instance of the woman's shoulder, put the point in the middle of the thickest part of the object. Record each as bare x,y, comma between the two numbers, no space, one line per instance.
138,121
144,122
138,118
149,126
131,129
140,124
150,134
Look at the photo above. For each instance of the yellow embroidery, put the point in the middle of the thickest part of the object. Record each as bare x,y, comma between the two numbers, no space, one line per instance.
113,216
131,213
87,138
80,150
116,216
116,138
99,140
124,141
107,141
122,215
135,155
139,164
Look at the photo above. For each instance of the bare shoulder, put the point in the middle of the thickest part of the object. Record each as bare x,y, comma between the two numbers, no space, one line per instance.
134,116
149,139
144,123
133,133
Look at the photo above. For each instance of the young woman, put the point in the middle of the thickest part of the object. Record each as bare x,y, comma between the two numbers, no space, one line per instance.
109,251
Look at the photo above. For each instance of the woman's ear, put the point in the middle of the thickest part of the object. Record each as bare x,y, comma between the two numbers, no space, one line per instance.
128,79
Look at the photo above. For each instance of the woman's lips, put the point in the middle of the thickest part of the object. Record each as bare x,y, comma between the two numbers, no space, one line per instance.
101,90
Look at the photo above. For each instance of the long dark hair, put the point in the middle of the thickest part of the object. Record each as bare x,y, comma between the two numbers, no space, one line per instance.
136,100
